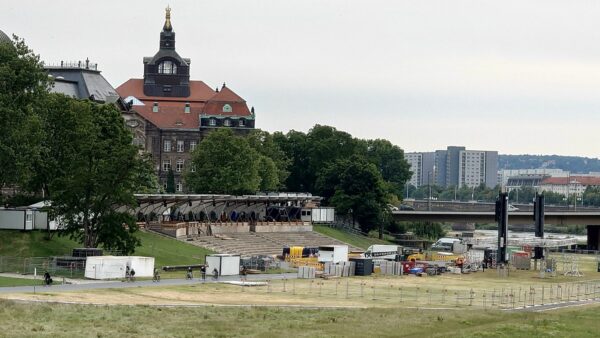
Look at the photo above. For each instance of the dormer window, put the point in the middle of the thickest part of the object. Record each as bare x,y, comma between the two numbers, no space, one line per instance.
212,122
187,107
167,67
242,123
227,108
155,107
227,123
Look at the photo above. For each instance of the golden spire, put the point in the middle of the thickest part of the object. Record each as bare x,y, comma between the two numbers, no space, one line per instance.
167,26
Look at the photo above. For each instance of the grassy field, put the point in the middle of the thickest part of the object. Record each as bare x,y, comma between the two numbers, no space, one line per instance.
28,320
34,244
362,242
7,281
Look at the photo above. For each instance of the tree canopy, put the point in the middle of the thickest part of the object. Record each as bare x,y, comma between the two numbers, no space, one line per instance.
77,152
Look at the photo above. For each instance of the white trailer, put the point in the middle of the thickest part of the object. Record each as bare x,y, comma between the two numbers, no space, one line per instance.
17,219
113,267
382,251
226,265
333,253
323,215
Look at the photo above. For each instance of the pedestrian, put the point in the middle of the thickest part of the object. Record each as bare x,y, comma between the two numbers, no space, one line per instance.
132,275
483,264
216,274
47,278
190,275
203,271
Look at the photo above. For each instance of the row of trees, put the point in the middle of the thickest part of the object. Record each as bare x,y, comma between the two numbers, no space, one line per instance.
78,154
358,177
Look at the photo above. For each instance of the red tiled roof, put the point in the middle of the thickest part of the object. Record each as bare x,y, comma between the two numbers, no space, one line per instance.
583,180
171,115
171,110
199,92
214,106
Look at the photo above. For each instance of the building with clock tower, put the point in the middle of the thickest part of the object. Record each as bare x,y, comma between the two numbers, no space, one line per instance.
170,114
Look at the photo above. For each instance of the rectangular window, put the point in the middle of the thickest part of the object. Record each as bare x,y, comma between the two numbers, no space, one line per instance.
212,122
179,166
241,123
166,165
180,146
193,169
167,145
192,145
179,187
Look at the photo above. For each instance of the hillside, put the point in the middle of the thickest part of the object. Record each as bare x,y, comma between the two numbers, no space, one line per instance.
574,164
167,251
352,239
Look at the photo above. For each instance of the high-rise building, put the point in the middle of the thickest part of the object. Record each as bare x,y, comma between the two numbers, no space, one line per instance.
455,166
422,167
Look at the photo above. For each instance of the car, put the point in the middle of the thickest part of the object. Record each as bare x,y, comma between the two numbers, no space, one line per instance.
406,207
512,208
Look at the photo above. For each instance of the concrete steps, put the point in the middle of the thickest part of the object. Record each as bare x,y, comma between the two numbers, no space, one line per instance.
265,243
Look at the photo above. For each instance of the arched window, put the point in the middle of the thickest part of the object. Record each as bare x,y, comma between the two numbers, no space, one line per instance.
227,108
167,67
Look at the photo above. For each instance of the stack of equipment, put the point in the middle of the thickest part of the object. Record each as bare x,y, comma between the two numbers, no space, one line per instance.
364,266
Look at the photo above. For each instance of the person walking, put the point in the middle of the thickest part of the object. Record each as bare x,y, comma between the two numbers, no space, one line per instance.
190,274
203,271
215,274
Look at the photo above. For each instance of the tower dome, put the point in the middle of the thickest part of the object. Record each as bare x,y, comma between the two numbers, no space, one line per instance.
4,37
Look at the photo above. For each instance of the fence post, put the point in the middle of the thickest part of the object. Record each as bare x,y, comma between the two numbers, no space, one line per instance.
400,289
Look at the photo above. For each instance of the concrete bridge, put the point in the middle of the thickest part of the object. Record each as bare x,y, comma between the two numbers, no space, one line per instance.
514,218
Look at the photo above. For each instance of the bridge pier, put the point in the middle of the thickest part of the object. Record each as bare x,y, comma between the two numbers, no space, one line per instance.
593,237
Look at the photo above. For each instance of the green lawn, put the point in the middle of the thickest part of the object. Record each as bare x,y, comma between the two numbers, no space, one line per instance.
7,281
169,251
32,320
34,244
352,239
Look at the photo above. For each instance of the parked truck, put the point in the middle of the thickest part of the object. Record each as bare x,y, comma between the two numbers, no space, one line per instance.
383,251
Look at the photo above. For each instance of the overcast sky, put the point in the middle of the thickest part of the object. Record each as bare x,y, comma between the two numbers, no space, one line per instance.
513,76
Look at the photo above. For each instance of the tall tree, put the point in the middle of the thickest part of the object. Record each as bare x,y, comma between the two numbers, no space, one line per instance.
359,191
93,190
389,160
224,164
170,182
23,87
273,157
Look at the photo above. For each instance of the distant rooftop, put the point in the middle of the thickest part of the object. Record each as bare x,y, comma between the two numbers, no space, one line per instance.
73,65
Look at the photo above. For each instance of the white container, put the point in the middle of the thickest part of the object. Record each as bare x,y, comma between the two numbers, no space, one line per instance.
382,251
226,265
333,253
112,267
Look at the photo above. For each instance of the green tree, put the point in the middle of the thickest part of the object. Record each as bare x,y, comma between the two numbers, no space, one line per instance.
23,88
359,191
389,160
224,164
294,146
170,182
94,189
273,157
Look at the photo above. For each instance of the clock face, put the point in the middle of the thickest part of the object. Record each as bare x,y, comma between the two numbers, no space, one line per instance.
132,123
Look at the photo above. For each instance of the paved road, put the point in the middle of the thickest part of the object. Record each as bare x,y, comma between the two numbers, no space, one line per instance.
555,306
120,284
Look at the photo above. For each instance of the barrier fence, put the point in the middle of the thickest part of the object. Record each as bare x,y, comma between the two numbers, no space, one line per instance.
54,265
372,293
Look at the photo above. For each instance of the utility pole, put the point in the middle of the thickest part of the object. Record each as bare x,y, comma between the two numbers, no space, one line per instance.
429,184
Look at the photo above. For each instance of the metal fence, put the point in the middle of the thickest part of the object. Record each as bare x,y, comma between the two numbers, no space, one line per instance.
384,293
54,265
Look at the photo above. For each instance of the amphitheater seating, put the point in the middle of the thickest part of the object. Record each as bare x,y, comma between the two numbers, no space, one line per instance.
271,243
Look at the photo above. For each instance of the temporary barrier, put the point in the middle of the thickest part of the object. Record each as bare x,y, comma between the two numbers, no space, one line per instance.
226,265
110,267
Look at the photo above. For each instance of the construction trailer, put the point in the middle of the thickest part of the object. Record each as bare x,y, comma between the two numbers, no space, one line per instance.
333,253
318,215
226,264
113,267
25,218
